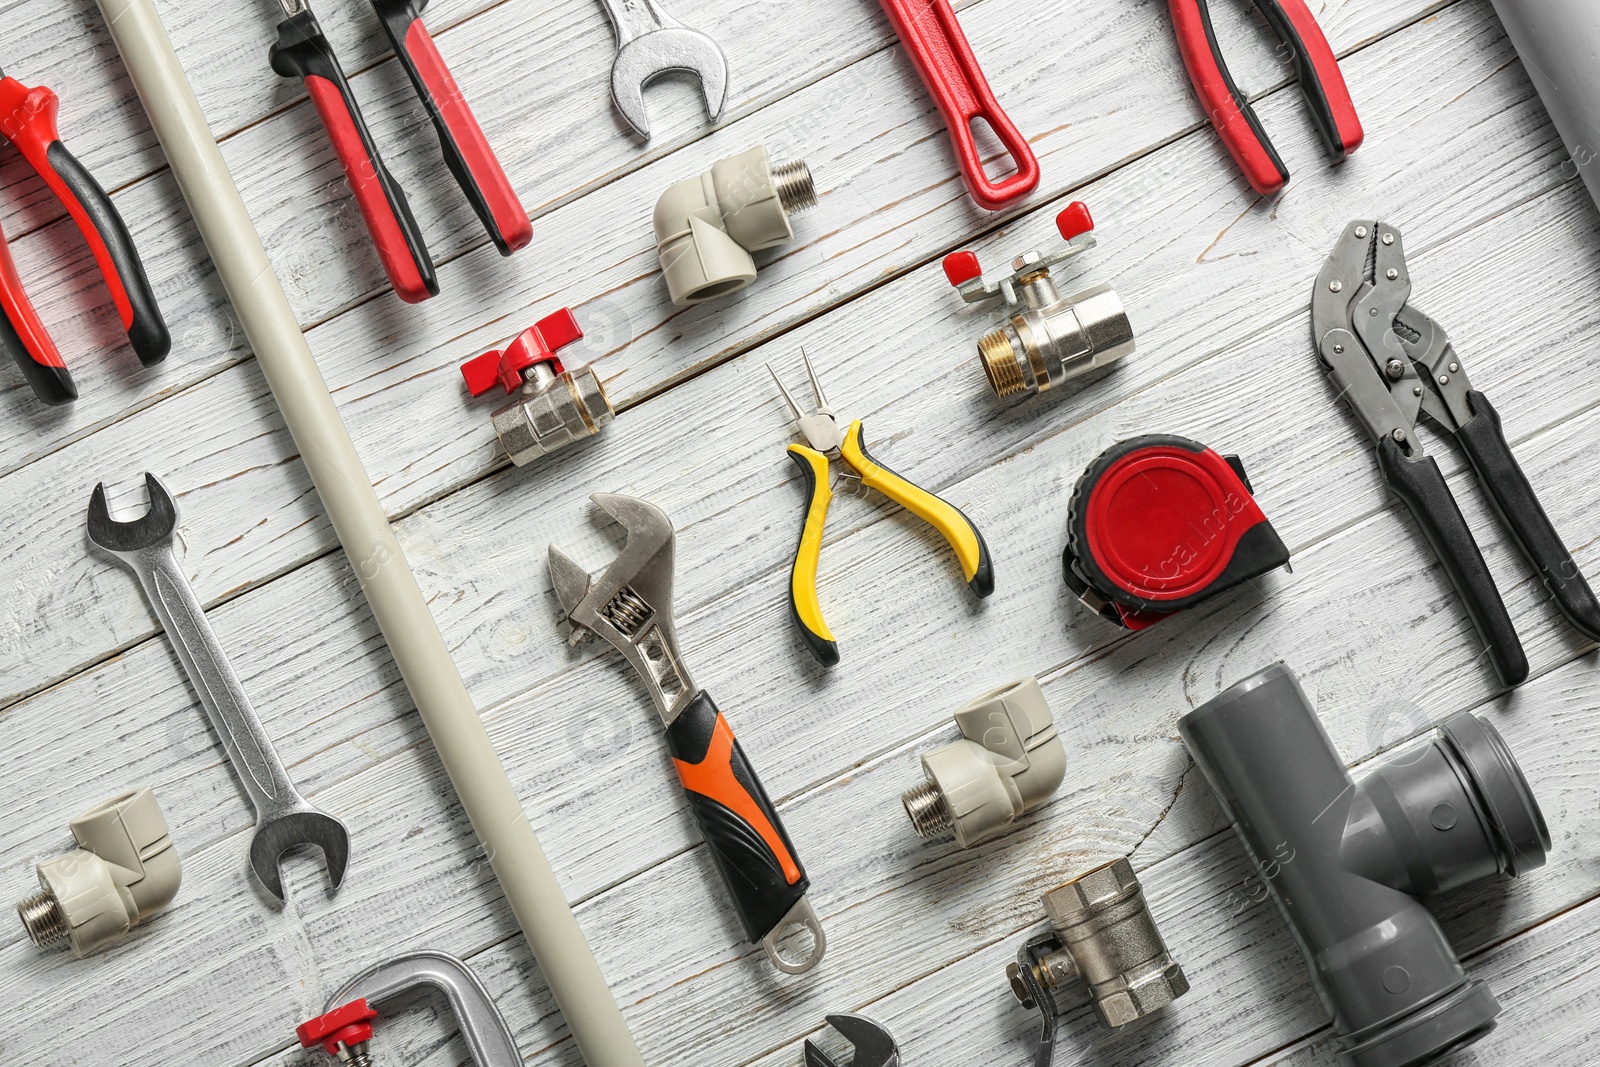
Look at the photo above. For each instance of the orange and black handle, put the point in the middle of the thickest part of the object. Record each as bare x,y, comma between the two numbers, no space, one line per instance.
30,125
466,150
302,51
1332,111
748,842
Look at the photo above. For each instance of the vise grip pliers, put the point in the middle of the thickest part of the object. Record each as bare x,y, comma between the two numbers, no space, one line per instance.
1389,361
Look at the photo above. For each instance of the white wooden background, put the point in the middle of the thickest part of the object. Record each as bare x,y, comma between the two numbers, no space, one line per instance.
1506,251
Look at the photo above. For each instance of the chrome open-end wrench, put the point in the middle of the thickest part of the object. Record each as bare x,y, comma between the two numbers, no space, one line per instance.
651,43
283,817
630,605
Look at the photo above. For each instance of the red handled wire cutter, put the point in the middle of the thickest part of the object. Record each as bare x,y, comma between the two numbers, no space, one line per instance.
302,51
28,121
1315,65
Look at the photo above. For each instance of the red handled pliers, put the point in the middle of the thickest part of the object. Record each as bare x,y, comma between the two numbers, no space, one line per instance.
28,121
302,51
1315,65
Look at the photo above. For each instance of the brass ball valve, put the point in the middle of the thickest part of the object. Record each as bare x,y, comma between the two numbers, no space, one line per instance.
1047,339
555,405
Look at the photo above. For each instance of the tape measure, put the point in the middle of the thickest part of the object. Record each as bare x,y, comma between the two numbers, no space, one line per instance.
1159,523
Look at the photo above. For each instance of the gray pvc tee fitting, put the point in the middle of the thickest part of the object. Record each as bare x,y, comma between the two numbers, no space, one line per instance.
1348,861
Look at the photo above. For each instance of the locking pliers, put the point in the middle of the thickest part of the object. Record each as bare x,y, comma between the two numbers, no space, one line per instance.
1389,361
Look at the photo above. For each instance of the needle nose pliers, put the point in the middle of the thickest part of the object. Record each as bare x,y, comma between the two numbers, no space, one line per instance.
825,442
30,125
1235,120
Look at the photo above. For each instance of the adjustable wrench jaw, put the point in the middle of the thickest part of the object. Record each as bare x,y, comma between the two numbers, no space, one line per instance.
630,605
871,1043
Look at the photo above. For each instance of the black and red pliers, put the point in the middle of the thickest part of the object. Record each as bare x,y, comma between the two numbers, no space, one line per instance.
302,51
1332,110
30,125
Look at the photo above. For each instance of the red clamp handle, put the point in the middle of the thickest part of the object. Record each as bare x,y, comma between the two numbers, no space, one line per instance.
1236,122
302,51
343,1026
537,344
932,37
466,150
24,336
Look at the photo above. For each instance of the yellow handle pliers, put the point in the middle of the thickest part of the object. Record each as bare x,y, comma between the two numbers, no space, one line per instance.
825,442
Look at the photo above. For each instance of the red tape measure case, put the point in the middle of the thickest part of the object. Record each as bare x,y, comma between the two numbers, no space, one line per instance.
1159,523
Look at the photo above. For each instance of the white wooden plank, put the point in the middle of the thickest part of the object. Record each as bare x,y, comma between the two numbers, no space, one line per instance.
390,398
873,151
426,885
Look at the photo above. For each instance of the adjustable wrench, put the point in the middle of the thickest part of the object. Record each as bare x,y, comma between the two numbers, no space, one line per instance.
283,817
631,607
651,43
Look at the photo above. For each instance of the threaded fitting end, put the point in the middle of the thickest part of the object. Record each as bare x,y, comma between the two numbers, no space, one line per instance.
1000,364
358,1056
43,918
792,179
927,809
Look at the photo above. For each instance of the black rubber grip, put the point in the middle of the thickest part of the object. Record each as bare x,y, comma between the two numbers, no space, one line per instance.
147,332
1484,441
1421,487
748,842
302,51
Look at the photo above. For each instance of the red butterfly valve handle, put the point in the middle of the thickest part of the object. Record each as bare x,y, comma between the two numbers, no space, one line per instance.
555,405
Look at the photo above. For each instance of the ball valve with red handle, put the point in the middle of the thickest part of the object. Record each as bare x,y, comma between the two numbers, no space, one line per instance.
1046,339
555,405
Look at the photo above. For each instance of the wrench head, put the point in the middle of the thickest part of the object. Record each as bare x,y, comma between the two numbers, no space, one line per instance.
673,49
644,565
873,1045
152,528
278,833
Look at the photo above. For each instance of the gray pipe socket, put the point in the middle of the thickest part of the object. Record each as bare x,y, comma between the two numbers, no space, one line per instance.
1347,862
1559,41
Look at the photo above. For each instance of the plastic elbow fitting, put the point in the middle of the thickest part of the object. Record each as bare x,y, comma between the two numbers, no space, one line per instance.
1007,762
124,871
1348,861
708,226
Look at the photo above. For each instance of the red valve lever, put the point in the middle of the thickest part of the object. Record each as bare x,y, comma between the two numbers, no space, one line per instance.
933,39
961,267
348,1025
1074,220
537,344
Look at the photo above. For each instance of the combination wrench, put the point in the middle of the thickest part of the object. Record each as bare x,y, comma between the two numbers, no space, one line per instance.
651,43
283,817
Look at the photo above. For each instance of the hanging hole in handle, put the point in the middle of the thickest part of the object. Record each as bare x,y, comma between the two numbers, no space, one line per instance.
992,151
797,943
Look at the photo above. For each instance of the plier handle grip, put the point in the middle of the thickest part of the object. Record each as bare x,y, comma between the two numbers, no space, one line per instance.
30,126
1236,122
825,442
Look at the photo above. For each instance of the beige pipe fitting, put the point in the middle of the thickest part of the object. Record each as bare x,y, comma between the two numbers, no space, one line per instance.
124,870
708,226
1007,762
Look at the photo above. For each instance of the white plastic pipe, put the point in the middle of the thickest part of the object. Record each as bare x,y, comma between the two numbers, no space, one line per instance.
1559,42
358,518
